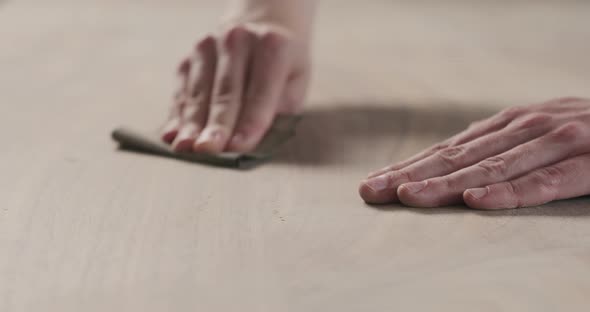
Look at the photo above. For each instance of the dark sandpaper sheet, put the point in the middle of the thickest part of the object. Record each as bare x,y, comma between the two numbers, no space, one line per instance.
282,130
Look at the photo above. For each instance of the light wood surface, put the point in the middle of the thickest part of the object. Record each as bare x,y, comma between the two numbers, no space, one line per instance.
84,227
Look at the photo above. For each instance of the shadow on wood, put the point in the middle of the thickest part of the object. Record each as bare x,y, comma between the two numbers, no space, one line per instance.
343,132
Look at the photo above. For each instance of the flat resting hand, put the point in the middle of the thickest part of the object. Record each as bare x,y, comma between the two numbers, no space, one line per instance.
522,156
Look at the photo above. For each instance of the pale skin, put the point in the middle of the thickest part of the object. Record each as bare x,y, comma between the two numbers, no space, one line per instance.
253,67
257,65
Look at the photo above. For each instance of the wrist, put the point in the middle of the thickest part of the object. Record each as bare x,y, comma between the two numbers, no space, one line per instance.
293,16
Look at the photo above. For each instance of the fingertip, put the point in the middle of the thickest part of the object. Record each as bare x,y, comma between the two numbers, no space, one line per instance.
207,147
248,135
478,198
471,199
184,67
401,192
170,130
366,192
185,137
405,196
210,142
169,136
183,145
373,192
241,143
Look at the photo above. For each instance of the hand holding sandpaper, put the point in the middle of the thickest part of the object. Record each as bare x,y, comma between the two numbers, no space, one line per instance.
281,130
231,87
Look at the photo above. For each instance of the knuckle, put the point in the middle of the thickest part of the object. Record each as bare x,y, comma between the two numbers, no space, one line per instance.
206,45
567,100
513,191
254,124
494,167
223,101
225,89
194,110
548,179
400,177
238,30
439,147
447,182
510,188
570,132
274,41
513,112
235,35
506,195
397,178
256,97
533,120
453,156
549,176
219,116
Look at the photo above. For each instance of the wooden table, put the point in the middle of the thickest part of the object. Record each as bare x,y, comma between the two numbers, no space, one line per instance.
84,227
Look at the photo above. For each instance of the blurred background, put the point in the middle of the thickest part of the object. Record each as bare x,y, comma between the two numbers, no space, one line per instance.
450,49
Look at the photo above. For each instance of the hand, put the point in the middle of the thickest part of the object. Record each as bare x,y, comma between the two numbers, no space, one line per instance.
523,156
232,86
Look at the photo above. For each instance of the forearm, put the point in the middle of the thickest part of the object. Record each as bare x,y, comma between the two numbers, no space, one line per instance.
297,15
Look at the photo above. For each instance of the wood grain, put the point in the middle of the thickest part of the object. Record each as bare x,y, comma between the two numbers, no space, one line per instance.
86,228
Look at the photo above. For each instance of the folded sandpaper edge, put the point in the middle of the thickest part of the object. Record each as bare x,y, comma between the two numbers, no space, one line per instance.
281,130
132,140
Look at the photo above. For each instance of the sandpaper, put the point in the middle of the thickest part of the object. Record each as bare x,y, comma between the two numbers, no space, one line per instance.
281,131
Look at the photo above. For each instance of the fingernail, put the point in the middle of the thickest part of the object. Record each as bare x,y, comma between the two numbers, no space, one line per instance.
377,184
414,187
209,136
169,132
182,143
238,139
181,136
478,193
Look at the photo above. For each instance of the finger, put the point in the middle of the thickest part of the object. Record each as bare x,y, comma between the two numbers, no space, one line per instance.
543,151
564,105
227,92
266,82
294,92
170,129
566,179
425,153
474,131
383,188
495,123
193,116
